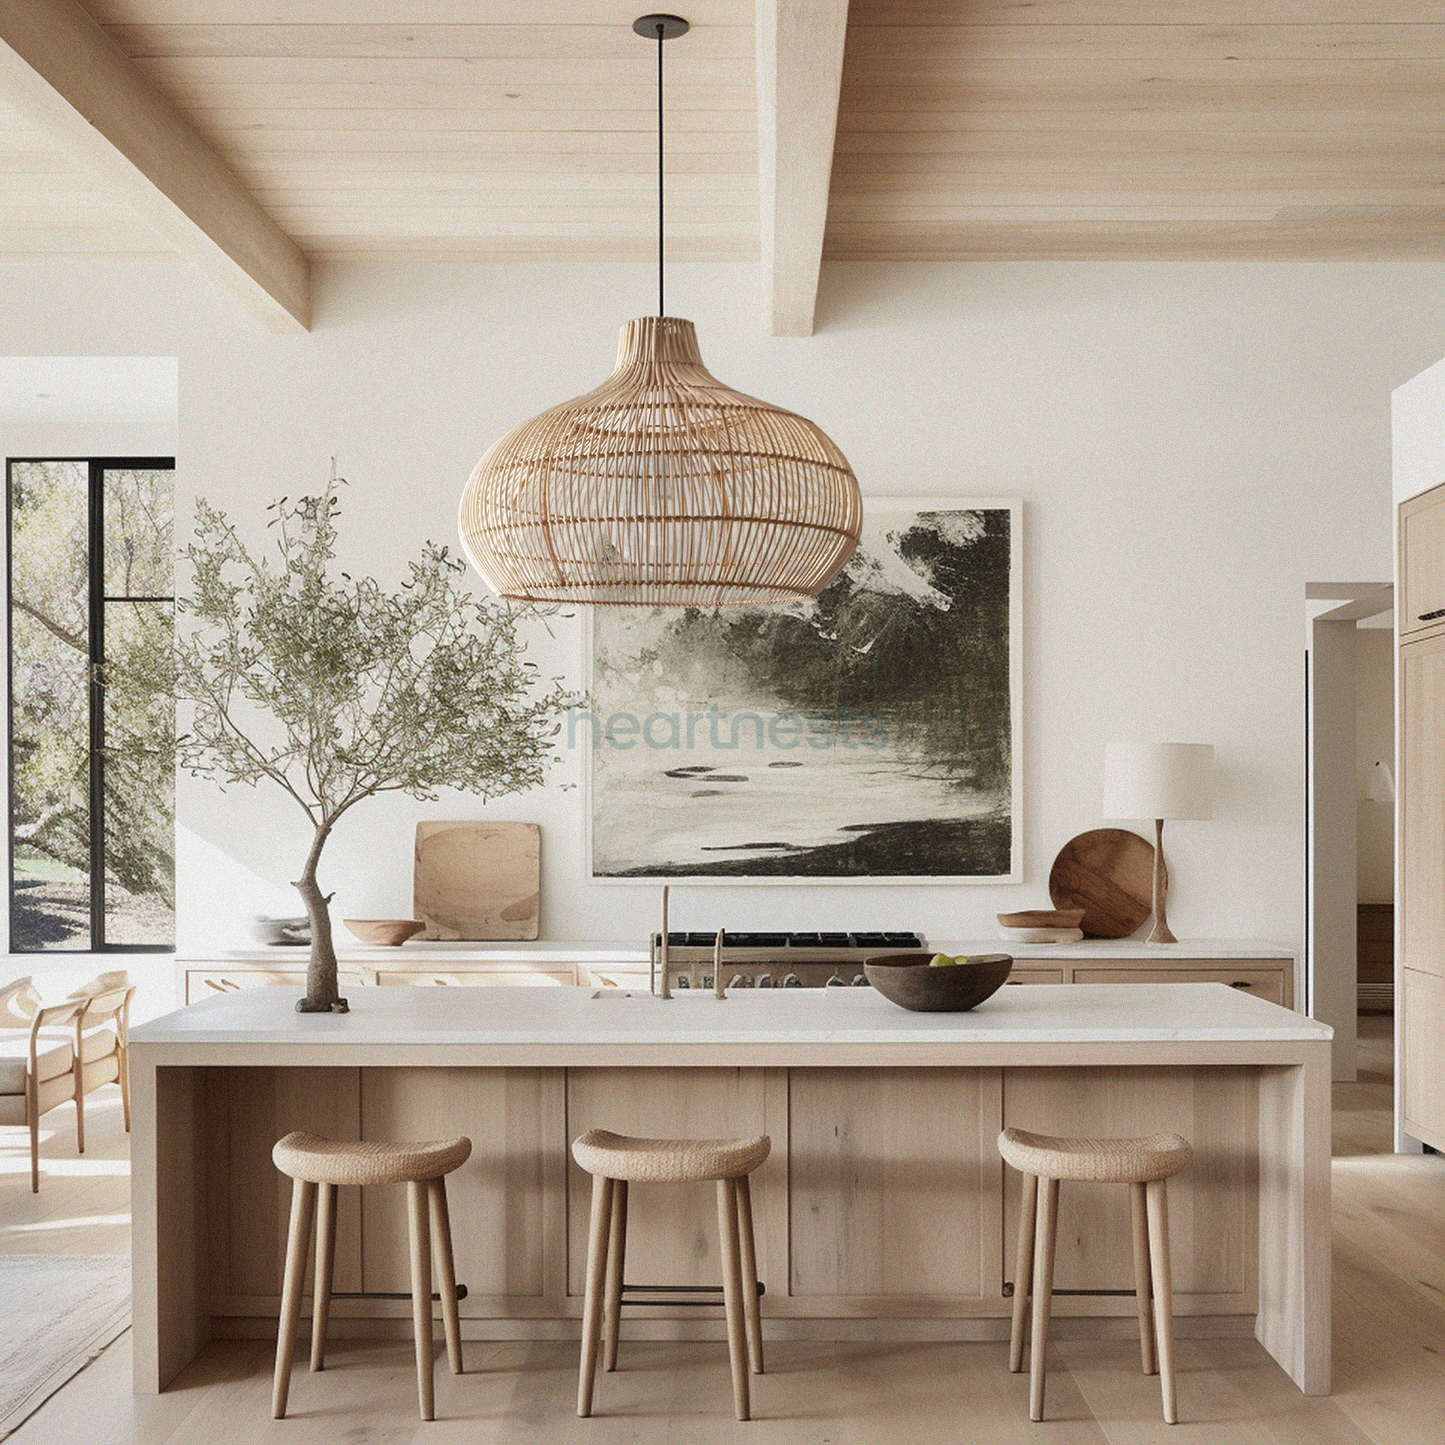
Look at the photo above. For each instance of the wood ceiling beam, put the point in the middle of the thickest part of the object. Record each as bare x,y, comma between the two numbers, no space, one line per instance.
800,70
67,77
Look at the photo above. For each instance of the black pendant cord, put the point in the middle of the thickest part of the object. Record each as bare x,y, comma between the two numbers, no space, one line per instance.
661,35
663,27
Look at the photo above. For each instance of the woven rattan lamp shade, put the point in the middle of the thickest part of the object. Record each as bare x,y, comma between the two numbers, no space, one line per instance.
661,486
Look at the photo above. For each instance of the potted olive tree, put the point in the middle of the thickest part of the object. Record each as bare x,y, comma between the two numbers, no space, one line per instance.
334,690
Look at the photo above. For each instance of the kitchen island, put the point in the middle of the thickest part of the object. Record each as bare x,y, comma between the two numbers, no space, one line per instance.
884,1209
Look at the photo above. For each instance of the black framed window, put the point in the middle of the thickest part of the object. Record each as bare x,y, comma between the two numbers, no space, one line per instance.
92,776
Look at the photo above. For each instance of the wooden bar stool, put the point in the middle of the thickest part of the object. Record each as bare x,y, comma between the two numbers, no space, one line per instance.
1144,1165
615,1161
311,1161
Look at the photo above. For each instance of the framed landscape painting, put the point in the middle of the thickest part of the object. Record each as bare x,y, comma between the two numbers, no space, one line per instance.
870,734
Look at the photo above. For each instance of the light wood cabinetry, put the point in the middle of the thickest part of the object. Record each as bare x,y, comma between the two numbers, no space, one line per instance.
884,1196
894,1189
1269,983
1267,978
1214,1258
199,980
1422,562
1267,973
1421,1015
1420,819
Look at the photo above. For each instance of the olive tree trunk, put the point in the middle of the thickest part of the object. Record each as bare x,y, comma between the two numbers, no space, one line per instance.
322,995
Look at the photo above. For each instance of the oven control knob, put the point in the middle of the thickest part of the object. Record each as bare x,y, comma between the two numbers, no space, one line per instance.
765,980
791,980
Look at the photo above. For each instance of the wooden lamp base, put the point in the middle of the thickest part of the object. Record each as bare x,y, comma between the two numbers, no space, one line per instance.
1160,932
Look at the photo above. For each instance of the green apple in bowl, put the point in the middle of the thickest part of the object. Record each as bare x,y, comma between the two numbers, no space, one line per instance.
942,960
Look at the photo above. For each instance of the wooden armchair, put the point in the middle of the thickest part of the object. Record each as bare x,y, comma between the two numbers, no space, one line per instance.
53,1052
37,1061
102,1031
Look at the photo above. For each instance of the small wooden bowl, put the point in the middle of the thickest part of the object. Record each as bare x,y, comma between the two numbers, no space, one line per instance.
384,932
1043,918
907,980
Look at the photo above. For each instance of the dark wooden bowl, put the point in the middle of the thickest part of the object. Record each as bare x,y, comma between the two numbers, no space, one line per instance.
907,980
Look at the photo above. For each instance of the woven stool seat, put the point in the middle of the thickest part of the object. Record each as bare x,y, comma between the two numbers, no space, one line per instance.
668,1161
366,1161
1103,1161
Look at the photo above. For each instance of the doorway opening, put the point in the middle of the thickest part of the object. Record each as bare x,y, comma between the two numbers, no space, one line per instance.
1349,808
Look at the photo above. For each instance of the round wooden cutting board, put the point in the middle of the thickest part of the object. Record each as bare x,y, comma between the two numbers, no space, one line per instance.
1109,873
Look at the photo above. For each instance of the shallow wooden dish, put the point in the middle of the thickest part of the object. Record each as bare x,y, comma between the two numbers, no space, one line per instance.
1042,918
384,932
907,980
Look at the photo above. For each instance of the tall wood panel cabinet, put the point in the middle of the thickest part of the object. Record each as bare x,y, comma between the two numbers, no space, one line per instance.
1420,888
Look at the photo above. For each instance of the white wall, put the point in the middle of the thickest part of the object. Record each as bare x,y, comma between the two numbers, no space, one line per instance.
1418,427
1374,742
1192,443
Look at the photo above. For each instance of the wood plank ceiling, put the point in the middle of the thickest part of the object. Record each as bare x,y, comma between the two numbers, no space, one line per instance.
968,129
1118,129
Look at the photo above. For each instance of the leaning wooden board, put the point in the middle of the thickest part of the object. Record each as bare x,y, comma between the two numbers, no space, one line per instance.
478,880
1109,873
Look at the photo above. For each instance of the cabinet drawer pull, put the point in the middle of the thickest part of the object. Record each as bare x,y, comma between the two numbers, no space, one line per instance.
1241,983
1431,616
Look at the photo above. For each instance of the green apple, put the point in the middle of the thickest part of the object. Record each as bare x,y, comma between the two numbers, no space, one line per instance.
942,960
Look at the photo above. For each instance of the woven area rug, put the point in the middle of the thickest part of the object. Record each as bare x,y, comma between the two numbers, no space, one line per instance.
57,1313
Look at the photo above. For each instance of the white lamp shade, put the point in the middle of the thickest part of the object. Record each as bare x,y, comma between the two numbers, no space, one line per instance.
1158,780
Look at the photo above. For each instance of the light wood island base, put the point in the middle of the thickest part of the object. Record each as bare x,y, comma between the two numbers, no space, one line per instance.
884,1207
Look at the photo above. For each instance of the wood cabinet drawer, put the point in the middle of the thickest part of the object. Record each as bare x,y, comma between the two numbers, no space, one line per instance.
202,983
1422,1083
478,978
1036,975
1422,562
1266,983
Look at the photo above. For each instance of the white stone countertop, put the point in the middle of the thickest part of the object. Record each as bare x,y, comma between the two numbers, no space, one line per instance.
557,1019
543,950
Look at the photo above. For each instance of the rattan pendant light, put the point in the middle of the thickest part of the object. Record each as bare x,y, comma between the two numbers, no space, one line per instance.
662,485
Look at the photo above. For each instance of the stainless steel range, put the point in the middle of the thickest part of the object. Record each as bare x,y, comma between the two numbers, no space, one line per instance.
769,960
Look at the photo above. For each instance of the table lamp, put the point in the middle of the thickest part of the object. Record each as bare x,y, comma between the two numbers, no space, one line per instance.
1159,781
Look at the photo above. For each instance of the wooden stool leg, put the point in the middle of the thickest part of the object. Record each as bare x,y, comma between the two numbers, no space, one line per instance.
303,1203
1143,1279
752,1307
727,1228
445,1270
616,1271
597,1232
325,1265
1158,1211
1023,1271
1045,1232
419,1234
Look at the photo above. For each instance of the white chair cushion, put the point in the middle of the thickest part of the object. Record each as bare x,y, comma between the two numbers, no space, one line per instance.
53,1057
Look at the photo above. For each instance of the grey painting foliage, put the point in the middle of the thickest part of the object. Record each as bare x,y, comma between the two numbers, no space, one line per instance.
335,690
